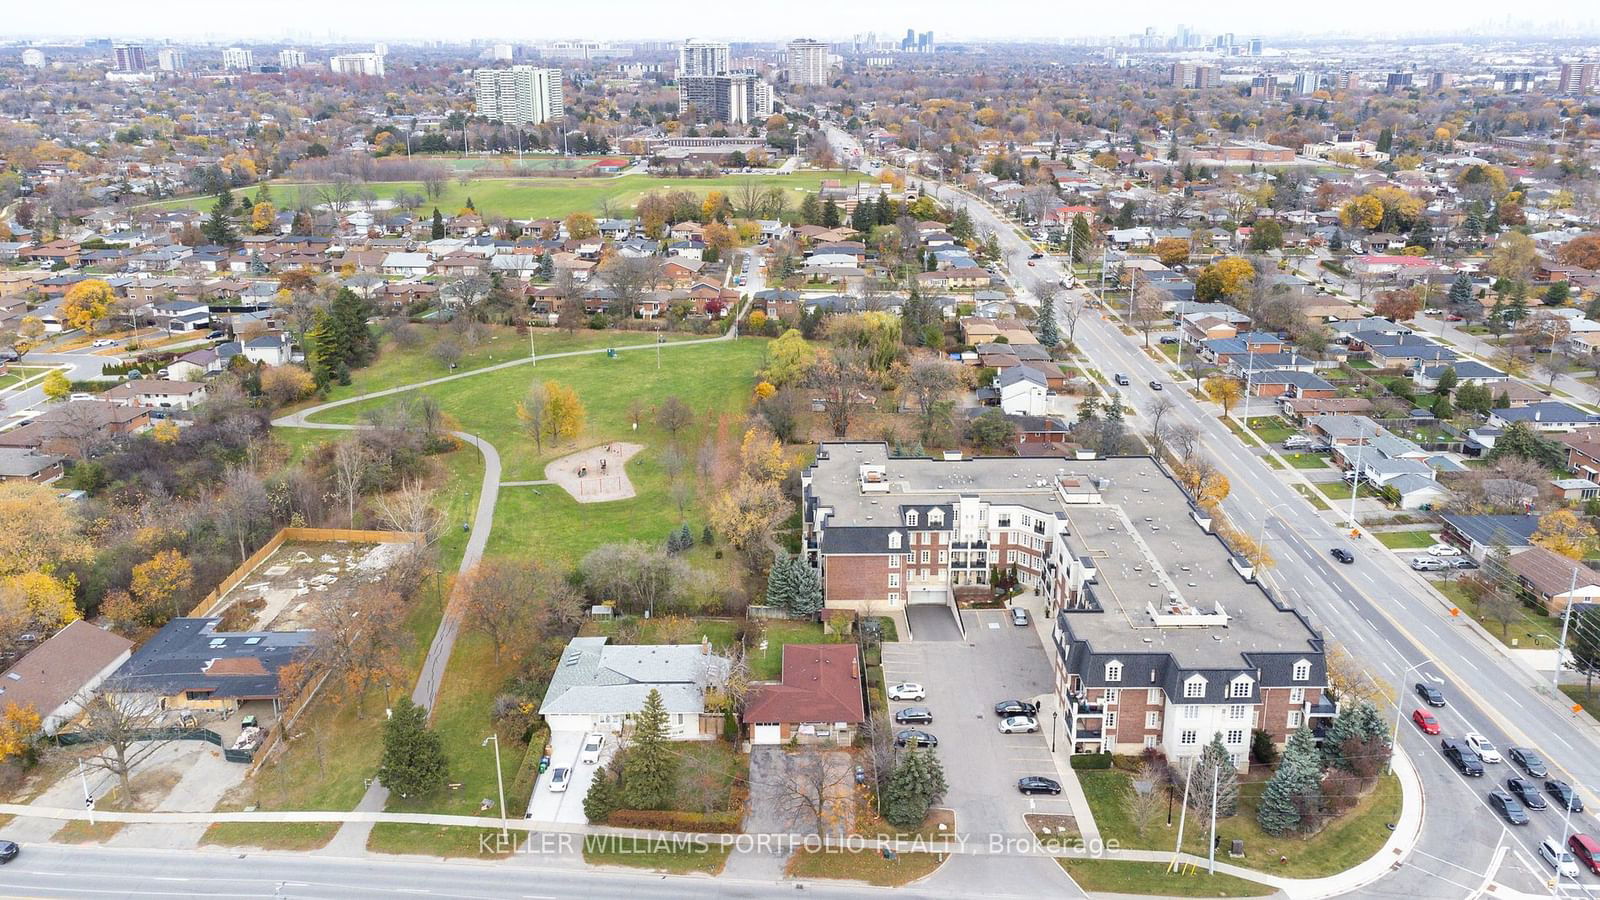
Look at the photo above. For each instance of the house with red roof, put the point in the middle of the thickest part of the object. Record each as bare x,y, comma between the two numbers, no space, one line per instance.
818,701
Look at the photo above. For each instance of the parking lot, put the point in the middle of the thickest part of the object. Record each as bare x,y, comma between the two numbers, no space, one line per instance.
964,679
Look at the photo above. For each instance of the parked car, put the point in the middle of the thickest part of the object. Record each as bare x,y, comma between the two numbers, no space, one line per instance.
1462,757
1530,761
1018,725
216,335
911,737
1169,339
861,775
103,342
1428,564
1038,784
1443,550
1425,721
1585,848
1429,694
1558,858
907,690
1342,555
80,395
914,715
1527,792
1564,794
1296,442
1019,616
1508,807
560,779
592,743
1461,562
1481,746
1006,708
8,851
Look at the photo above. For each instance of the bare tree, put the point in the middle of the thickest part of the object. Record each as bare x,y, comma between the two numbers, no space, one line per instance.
532,412
636,572
674,416
1069,311
1156,413
351,461
1184,438
124,727
411,509
80,427
749,198
929,382
338,194
630,277
243,508
838,378
1148,308
1146,804
357,637
815,792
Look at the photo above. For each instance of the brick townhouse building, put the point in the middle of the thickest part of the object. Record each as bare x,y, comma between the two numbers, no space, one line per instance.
1161,637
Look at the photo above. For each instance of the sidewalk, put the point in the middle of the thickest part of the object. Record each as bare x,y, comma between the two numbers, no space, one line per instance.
1082,814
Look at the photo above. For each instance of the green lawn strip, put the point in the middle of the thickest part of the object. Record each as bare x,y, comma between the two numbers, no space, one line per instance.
720,632
1272,462
451,841
1126,876
1239,432
1271,429
552,197
79,831
1340,490
271,835
1578,694
655,855
1307,460
1529,629
863,865
1361,364
1405,540
767,665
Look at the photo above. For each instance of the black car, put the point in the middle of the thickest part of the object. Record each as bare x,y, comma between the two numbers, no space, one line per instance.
1430,694
1529,761
1462,757
914,738
1343,555
1508,807
1037,256
1527,792
8,851
1007,708
861,775
1038,784
1564,794
914,715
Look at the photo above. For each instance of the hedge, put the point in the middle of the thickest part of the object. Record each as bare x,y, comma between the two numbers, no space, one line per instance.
1091,761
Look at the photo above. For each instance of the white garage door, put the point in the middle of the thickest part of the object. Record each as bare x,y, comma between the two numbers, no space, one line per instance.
919,596
766,734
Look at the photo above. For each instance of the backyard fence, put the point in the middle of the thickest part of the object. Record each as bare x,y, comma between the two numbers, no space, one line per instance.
299,534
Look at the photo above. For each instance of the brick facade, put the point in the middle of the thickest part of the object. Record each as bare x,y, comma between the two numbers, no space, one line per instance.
850,581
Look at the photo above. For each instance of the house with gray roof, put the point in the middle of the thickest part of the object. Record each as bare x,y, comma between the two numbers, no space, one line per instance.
598,686
1551,415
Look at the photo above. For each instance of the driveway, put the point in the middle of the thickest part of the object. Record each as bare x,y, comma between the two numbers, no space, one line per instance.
566,806
777,775
998,661
932,622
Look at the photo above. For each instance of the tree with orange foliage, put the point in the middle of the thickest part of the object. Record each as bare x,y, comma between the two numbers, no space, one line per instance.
160,582
18,725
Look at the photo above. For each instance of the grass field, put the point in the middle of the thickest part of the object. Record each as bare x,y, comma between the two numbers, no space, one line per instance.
1271,429
1529,629
271,835
1312,497
79,831
1307,460
1341,844
606,850
539,198
448,841
1125,876
1405,540
864,865
1340,490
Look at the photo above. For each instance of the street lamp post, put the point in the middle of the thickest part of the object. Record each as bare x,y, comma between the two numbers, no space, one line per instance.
1355,484
1054,715
1566,620
500,782
1261,533
1394,735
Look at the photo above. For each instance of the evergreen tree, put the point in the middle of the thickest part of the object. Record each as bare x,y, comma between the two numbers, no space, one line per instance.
1213,774
1295,788
830,214
413,756
961,226
1049,331
706,536
649,771
601,799
1360,722
1125,215
1082,238
1448,379
863,217
218,228
438,225
915,785
685,536
1460,291
810,210
1474,225
470,206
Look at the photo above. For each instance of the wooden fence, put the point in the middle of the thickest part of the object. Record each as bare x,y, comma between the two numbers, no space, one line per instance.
299,534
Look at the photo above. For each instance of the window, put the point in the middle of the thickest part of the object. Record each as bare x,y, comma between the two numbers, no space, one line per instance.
1235,736
1194,687
894,540
1294,718
1004,521
1239,687
1191,712
1113,671
1152,720
1152,696
1111,721
925,557
1150,741
935,517
1238,712
894,579
1187,738
1302,670
1297,695
911,519
994,556
1113,695
1011,556
894,560
894,597
944,557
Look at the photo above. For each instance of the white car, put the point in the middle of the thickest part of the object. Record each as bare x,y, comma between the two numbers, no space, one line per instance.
1018,724
1481,746
907,690
591,748
104,342
1443,550
1428,563
559,779
1558,858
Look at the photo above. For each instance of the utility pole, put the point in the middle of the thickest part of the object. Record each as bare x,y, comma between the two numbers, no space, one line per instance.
1211,864
500,781
1566,620
1355,484
1183,816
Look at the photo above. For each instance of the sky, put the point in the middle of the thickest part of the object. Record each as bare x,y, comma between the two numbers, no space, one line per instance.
532,21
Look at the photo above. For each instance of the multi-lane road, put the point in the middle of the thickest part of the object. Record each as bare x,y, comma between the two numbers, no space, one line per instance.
1385,615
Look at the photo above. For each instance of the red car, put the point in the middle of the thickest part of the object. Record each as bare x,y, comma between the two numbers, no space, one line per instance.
1425,721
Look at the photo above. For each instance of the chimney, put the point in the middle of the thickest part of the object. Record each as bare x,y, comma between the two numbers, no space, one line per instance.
855,668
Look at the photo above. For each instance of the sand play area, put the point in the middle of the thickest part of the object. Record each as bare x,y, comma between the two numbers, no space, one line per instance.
595,475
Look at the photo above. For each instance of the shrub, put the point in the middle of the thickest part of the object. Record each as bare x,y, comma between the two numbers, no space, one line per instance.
1091,761
674,820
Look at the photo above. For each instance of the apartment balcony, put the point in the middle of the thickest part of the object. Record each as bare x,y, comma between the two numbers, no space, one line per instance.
1086,734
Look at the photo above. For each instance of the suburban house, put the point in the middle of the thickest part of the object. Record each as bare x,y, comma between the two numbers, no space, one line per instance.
156,393
1549,577
1023,391
1478,535
60,675
818,700
416,264
27,464
268,349
1551,415
1583,450
599,687
189,664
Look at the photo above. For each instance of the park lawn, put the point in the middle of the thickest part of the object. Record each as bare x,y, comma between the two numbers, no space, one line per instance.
863,865
1529,629
767,665
720,632
657,856
448,841
1126,876
1307,460
538,198
1271,429
461,718
1405,540
79,831
271,835
1341,844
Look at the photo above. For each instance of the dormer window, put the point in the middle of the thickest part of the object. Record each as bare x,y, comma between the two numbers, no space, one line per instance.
936,517
1239,687
1302,670
894,540
1113,671
1194,687
911,519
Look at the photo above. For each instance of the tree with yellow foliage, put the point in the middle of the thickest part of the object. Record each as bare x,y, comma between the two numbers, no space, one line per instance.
764,389
714,208
34,602
744,513
1364,211
261,216
38,529
86,303
563,413
789,358
160,582
55,385
165,432
18,725
720,238
1225,279
1223,390
1561,531
580,225
1172,251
